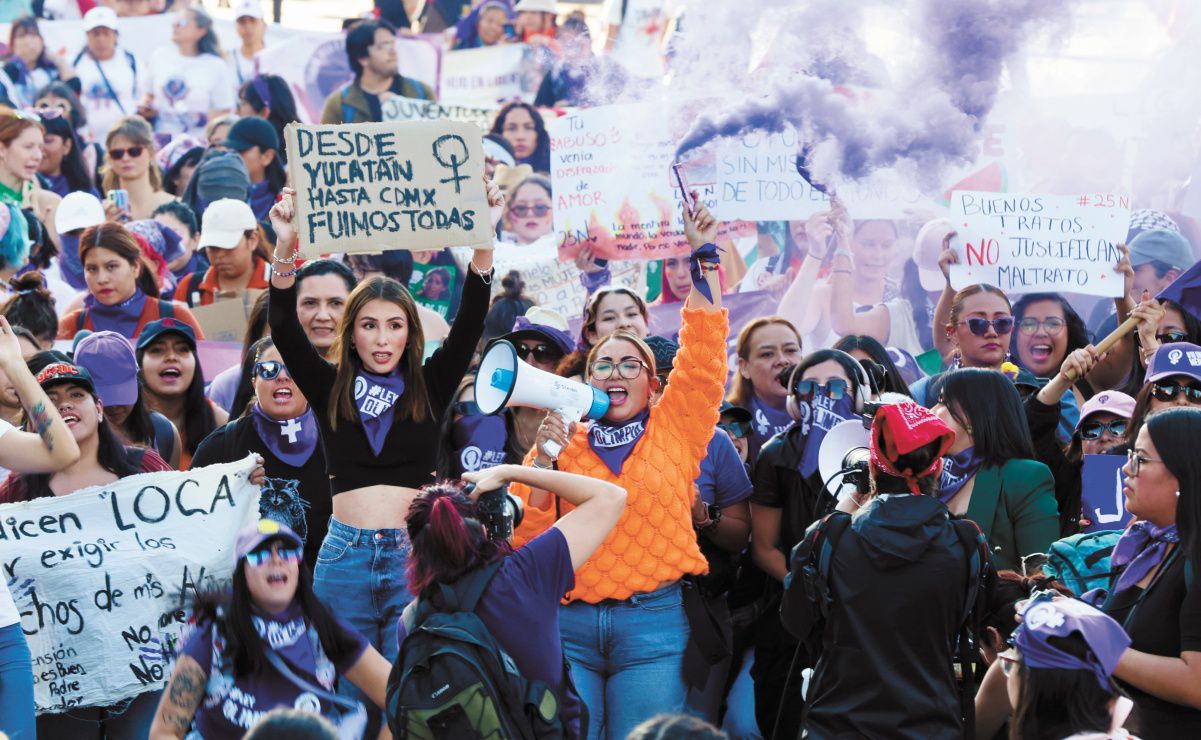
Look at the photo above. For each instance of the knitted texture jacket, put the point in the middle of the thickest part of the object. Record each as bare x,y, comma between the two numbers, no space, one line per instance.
653,542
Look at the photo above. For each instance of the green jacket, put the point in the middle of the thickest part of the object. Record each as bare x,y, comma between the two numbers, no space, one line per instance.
348,104
1014,506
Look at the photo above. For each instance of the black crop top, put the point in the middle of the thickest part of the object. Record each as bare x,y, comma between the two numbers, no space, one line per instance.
411,448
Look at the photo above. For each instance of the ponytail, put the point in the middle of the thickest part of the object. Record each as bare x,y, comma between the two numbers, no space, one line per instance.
447,539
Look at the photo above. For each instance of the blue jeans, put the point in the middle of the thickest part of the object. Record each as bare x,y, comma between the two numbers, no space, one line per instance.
16,684
627,658
739,722
128,721
360,577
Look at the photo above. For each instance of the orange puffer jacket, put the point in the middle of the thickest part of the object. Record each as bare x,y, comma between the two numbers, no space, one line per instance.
653,542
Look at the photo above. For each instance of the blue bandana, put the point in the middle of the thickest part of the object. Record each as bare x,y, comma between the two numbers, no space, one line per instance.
376,397
69,264
613,443
767,422
957,470
819,416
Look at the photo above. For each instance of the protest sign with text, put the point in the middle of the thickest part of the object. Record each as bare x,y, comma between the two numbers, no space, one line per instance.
378,186
551,282
486,76
400,108
1039,243
103,577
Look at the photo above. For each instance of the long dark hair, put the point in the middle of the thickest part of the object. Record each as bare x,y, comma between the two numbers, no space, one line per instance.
539,159
256,328
271,92
1137,375
1174,433
73,168
200,420
139,427
448,541
231,612
28,23
209,43
987,402
59,89
1055,703
892,382
1077,332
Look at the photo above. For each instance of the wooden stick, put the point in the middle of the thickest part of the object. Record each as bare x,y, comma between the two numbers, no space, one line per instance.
1116,335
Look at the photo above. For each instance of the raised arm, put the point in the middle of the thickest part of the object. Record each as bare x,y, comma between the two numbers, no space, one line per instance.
701,229
803,301
942,312
50,447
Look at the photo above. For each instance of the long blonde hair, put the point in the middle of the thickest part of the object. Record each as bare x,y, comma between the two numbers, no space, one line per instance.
139,132
414,402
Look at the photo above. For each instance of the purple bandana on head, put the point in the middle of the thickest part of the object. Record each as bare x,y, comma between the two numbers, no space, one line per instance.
479,442
1140,549
767,422
613,443
561,338
122,318
957,470
292,441
1060,617
819,416
376,397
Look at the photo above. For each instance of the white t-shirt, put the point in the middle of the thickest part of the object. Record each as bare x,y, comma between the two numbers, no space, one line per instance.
241,69
8,610
130,81
639,41
187,88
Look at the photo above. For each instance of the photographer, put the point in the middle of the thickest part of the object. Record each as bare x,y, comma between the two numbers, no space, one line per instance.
895,580
453,540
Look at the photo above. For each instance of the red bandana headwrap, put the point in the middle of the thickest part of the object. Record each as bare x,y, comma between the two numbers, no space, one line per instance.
901,428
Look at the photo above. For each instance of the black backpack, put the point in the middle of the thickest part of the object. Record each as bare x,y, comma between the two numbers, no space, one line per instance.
452,679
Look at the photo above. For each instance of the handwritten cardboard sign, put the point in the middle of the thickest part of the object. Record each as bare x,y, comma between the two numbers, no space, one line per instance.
1101,492
486,76
400,108
379,186
1025,243
102,577
555,283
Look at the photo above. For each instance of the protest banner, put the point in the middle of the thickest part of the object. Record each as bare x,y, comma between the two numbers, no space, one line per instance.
399,108
1104,504
487,76
1026,243
378,186
554,283
103,577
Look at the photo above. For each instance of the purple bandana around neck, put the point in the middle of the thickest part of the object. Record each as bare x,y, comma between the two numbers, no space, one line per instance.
292,441
376,397
819,416
479,442
261,199
613,443
1140,549
957,470
68,262
122,318
767,422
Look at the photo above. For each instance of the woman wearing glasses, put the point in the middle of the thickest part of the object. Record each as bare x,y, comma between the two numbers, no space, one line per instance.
268,642
823,390
624,626
280,427
130,165
1153,595
528,217
978,327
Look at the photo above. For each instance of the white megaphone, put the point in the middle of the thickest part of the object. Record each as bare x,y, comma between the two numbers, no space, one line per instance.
504,380
842,459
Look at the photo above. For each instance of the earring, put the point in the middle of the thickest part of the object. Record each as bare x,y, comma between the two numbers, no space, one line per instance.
969,429
1178,494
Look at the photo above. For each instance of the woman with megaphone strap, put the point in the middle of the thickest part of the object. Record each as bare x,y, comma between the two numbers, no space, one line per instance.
624,625
378,407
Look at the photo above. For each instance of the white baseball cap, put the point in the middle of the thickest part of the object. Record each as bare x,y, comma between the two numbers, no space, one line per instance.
78,210
100,16
225,222
248,8
535,6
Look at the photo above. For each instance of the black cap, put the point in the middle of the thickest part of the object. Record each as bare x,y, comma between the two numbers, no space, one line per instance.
664,351
156,329
739,413
65,372
252,131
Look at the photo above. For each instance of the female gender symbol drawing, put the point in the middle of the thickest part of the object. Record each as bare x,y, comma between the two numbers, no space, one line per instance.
442,143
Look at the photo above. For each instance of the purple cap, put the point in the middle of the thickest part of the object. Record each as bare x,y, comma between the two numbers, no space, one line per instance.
1177,358
1060,617
114,368
267,529
1108,402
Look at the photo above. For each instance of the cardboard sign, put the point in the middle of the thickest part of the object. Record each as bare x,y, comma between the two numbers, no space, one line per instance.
225,320
102,578
555,283
379,186
1025,243
1103,502
399,108
486,76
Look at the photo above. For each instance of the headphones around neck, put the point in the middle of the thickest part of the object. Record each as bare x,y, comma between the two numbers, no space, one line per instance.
860,379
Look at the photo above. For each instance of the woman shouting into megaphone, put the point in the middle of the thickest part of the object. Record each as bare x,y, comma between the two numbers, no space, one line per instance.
377,406
624,625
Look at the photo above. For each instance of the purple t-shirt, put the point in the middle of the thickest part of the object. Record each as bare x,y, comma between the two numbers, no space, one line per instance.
520,608
233,704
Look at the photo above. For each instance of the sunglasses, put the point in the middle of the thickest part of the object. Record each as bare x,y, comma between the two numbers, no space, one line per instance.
466,408
626,369
269,369
979,327
522,211
541,352
259,558
134,152
1170,391
1094,429
1171,337
44,113
1052,326
736,429
834,389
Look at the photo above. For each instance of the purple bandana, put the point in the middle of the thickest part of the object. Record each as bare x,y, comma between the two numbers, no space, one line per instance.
613,443
376,396
479,442
819,416
957,470
704,254
1140,548
1059,617
68,262
292,441
767,422
261,199
122,318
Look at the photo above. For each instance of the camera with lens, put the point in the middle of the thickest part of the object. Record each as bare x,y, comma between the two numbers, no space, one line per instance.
498,511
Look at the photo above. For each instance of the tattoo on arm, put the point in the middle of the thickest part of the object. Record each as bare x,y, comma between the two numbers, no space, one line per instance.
41,422
184,694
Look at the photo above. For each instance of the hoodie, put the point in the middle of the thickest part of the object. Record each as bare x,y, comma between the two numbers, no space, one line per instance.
898,577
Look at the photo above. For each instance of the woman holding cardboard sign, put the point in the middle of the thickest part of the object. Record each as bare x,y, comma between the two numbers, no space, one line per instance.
378,408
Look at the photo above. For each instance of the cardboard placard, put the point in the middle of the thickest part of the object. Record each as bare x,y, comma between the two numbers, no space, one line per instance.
379,186
225,320
400,108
